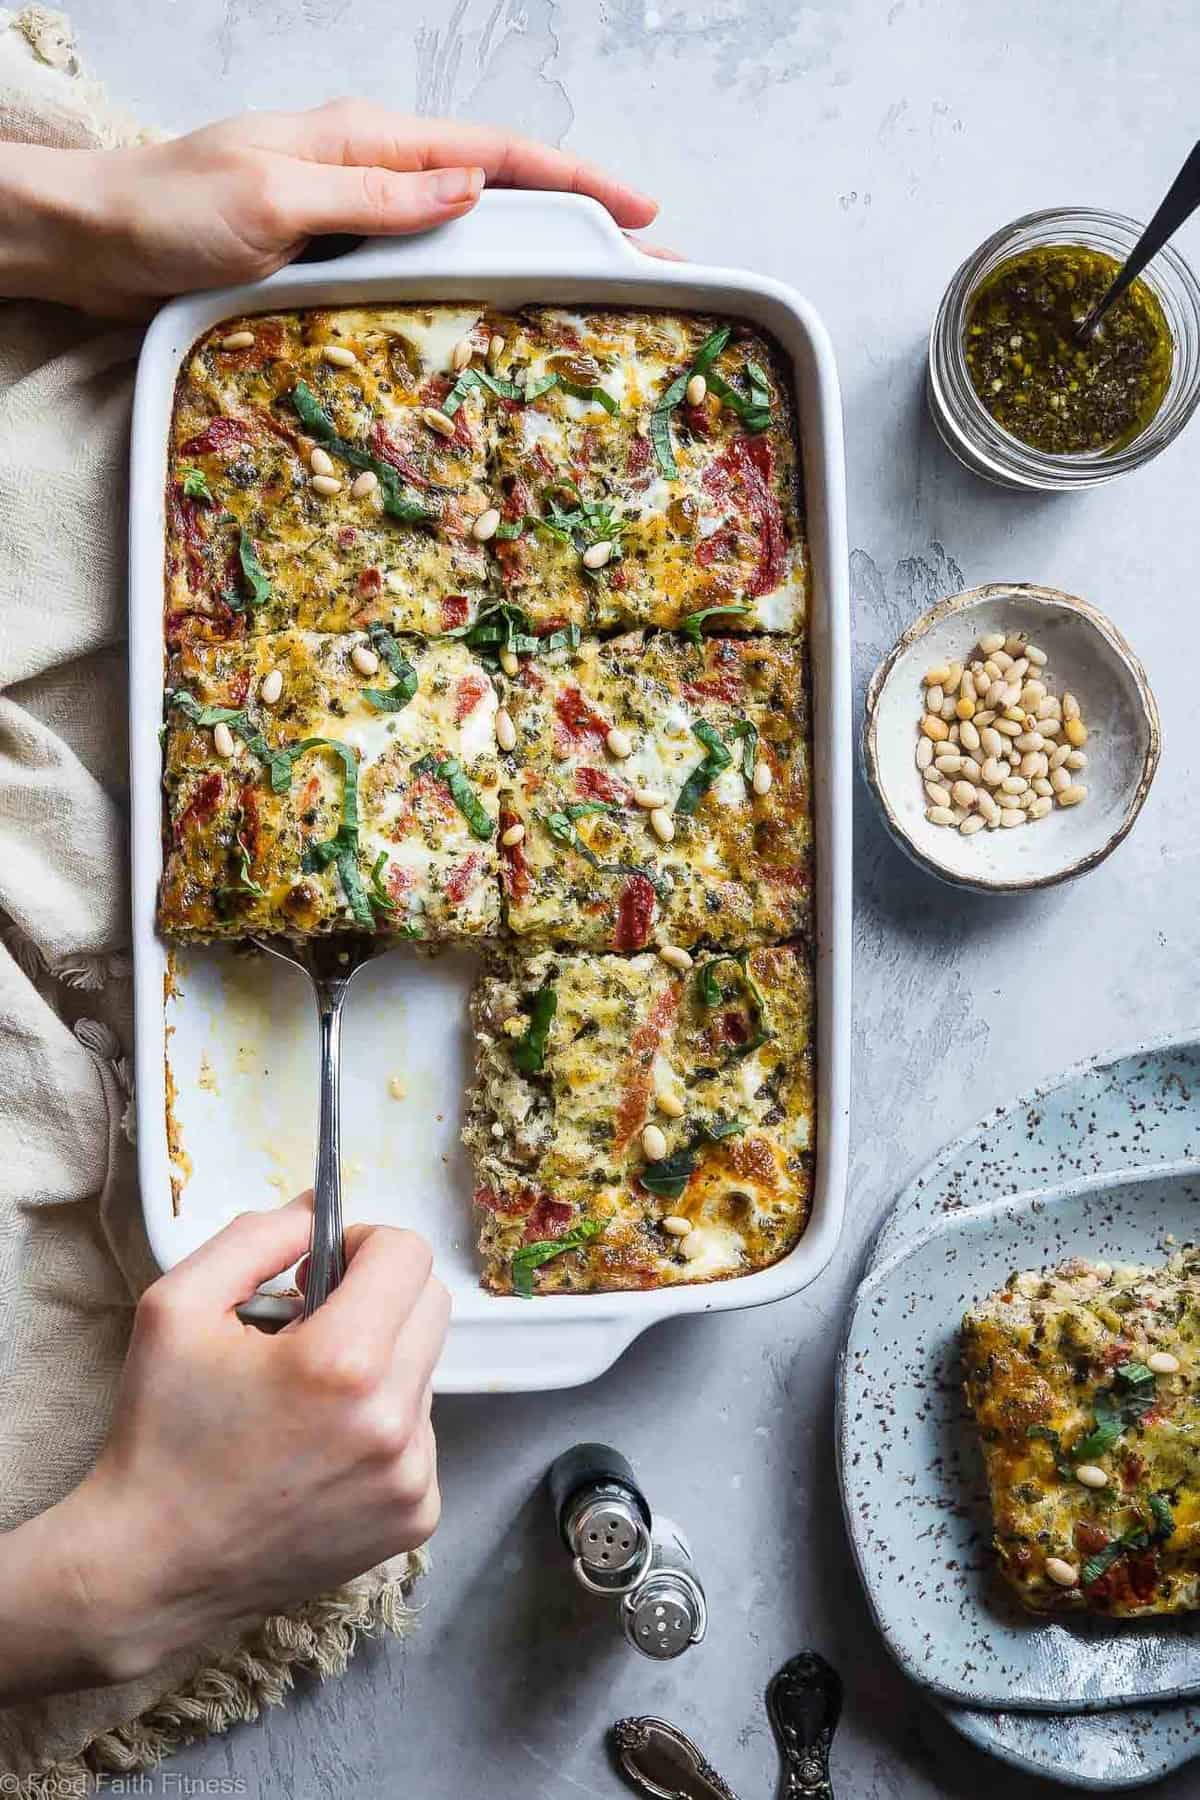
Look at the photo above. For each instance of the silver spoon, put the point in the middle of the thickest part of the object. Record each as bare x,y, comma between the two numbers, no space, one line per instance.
1180,202
331,963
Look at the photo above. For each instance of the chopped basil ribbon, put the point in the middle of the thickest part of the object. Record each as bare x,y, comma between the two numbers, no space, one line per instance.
598,395
398,500
716,1129
671,397
393,699
690,627
709,993
754,411
531,1256
524,392
342,848
195,486
507,627
258,587
1164,1518
749,736
1137,1537
379,895
1116,1408
561,826
246,883
670,1174
529,1052
449,770
204,717
717,759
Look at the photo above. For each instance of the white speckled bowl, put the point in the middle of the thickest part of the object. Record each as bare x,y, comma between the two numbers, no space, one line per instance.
1087,655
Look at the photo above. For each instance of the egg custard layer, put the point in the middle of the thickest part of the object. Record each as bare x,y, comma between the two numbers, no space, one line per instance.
490,626
1084,1385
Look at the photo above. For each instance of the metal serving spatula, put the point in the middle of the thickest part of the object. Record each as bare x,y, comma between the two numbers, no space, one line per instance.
331,964
804,1703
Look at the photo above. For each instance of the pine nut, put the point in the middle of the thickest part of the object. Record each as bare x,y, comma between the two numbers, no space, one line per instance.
438,421
237,340
1076,760
1012,815
1071,796
486,525
1014,643
963,794
1070,707
1012,693
510,662
965,709
654,1144
1040,807
693,1245
1162,1362
676,957
1058,756
934,695
996,692
993,671
1041,786
763,777
669,1104
1007,728
949,712
270,687
967,686
1032,694
364,660
952,739
1008,802
596,555
364,484
461,356
993,772
1019,670
1060,780
1090,1476
325,485
338,356
675,1226
513,835
988,807
1037,657
934,728
1061,1573
618,744
924,754
1075,732
697,387
973,823
948,764
984,718
1030,740
1034,762
506,731
939,815
952,681
938,795
662,824
992,642
971,770
1049,708
1050,728
1013,784
1002,660
495,349
223,739
991,741
935,677
650,798
320,461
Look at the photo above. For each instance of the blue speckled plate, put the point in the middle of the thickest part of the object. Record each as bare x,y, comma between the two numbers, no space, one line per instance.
1126,1108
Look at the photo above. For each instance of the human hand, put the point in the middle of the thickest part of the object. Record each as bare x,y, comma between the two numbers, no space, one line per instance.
244,1471
121,229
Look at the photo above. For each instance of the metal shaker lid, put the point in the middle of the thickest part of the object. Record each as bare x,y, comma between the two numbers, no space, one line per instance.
664,1614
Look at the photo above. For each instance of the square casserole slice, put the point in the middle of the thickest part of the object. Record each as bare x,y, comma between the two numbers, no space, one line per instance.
593,868
723,528
1083,1384
245,832
241,474
577,1055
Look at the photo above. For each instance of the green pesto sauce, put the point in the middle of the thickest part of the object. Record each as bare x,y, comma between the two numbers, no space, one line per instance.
1037,380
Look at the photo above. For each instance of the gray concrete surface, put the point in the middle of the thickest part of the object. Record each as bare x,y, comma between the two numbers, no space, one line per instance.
859,151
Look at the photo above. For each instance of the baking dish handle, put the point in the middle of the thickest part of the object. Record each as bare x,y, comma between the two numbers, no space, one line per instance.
509,232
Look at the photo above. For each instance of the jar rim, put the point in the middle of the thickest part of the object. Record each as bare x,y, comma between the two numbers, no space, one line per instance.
965,424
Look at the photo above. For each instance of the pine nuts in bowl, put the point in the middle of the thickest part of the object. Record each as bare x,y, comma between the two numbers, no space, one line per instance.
960,716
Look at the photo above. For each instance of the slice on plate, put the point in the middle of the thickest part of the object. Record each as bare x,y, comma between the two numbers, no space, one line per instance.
661,833
361,796
577,1055
254,545
1082,1383
698,505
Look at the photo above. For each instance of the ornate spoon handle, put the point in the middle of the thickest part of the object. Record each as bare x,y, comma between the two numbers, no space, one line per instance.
804,1703
664,1764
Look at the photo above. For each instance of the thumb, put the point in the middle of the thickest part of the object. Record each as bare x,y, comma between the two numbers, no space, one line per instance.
227,1269
374,202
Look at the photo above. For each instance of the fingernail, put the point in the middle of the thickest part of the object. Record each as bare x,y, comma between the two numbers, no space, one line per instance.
457,187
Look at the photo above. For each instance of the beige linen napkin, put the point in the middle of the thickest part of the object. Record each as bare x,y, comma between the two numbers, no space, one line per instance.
72,1252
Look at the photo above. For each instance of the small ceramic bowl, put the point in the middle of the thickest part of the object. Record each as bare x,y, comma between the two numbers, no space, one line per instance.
1086,655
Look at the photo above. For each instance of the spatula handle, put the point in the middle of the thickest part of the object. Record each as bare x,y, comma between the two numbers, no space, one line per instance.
325,1256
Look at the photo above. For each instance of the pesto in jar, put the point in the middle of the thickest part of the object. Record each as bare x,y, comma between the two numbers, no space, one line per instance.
1033,375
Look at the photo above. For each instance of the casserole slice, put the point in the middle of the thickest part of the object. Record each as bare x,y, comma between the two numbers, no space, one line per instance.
1082,1382
699,504
577,1055
348,797
670,840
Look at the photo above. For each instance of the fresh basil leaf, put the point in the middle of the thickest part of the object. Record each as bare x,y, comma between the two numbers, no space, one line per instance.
258,587
1137,1538
379,894
398,500
481,824
672,396
596,394
342,848
754,414
1098,1441
529,1052
1164,1518
690,627
716,761
195,486
541,384
479,378
748,733
204,717
510,528
566,637
393,699
245,883
670,1174
561,826
531,1256
710,993
716,1129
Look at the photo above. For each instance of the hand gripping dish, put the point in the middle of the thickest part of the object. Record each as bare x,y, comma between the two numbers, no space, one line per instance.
212,1141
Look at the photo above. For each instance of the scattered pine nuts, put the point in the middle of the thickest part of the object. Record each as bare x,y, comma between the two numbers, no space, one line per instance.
654,1144
763,777
934,728
326,485
364,484
513,835
1162,1362
619,744
238,340
669,1104
991,643
662,824
925,752
938,795
495,349
1071,796
509,661
939,815
697,387
676,1226
223,739
438,421
338,356
506,731
364,660
320,461
1061,1573
650,798
270,687
676,957
1075,732
596,555
486,525
461,355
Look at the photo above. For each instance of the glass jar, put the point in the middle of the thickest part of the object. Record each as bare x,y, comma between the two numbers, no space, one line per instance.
966,426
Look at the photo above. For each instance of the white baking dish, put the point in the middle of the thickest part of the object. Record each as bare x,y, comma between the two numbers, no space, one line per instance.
241,1035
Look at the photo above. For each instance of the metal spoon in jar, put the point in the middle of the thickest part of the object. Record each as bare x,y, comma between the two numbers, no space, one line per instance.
1181,200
